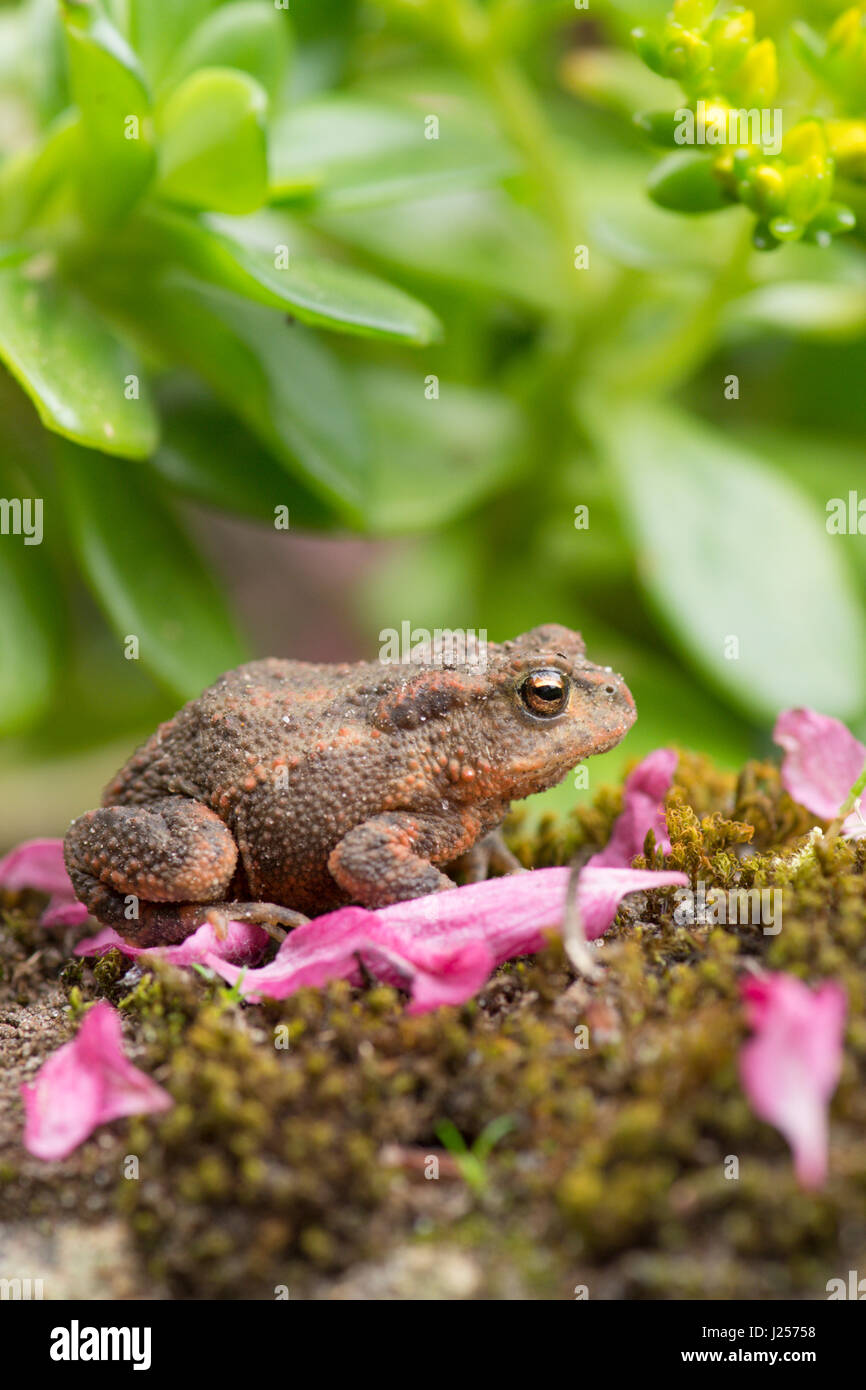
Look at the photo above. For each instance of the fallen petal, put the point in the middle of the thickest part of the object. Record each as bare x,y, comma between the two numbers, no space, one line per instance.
37,864
822,762
322,950
240,942
103,941
601,890
790,1068
642,810
442,977
443,947
60,912
85,1083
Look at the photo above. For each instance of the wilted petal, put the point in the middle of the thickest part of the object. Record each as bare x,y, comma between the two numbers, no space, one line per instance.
822,762
322,950
790,1068
86,1083
37,864
642,810
509,914
434,976
600,892
103,941
240,942
443,947
60,912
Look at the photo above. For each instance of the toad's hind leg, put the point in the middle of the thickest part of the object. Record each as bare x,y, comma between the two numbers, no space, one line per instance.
157,871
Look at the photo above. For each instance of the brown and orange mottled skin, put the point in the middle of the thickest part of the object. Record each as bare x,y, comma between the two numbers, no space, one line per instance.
290,788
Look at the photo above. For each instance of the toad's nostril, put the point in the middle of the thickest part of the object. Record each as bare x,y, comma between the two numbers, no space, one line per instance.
609,689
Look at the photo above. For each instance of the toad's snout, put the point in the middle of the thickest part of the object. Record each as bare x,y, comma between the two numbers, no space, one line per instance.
608,697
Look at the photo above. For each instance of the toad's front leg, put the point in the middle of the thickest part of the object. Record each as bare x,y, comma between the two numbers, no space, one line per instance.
490,852
390,858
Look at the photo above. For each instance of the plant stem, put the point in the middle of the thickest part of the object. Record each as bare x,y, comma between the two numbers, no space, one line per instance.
676,356
847,806
521,115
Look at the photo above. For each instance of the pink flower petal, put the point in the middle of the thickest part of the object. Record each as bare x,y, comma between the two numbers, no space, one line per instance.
62,913
440,977
85,1083
103,941
790,1068
442,947
37,864
822,762
642,810
600,891
241,942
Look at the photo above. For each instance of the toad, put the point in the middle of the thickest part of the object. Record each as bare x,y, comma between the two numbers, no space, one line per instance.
289,788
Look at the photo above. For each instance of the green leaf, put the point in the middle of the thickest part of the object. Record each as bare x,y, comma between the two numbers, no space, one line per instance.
145,573
727,548
198,457
250,35
491,1135
33,58
277,377
809,47
158,28
326,31
115,149
634,231
450,1137
213,151
466,439
481,240
805,308
325,293
74,370
292,393
29,606
357,153
35,180
794,451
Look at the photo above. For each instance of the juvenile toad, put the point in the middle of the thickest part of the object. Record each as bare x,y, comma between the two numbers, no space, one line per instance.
290,788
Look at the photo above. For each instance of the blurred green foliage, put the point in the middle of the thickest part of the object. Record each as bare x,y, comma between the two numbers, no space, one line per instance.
239,242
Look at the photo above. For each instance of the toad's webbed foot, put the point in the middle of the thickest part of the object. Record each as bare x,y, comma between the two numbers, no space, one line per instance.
277,921
490,852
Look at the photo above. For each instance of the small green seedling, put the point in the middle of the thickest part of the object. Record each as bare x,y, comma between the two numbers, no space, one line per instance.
472,1162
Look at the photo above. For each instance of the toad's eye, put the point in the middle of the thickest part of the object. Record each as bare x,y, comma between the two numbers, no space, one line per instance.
545,692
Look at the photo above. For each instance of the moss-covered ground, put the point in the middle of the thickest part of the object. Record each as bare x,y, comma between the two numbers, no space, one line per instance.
302,1150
